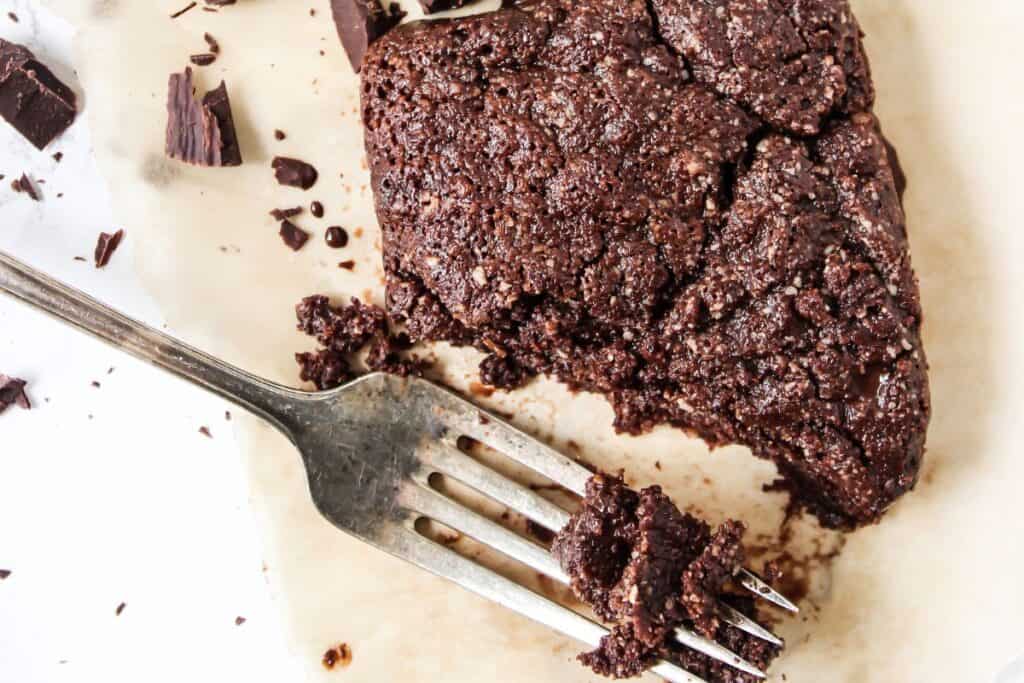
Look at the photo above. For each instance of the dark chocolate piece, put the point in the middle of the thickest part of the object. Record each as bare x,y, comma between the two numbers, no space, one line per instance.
106,244
347,264
24,184
317,209
337,656
336,237
360,23
294,173
203,59
292,235
285,214
212,43
12,391
200,133
652,235
32,99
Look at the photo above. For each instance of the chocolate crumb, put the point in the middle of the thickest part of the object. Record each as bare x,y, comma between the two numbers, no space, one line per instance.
285,214
347,265
279,134
293,172
205,431
23,184
106,244
336,237
4,573
340,655
203,59
220,3
13,17
12,391
58,156
293,236
212,43
95,384
183,10
81,258
227,415
120,608
239,621
317,209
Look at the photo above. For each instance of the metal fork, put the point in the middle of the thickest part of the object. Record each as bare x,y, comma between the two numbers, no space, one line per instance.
370,449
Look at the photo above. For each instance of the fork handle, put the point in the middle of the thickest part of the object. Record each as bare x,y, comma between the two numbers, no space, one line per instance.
266,399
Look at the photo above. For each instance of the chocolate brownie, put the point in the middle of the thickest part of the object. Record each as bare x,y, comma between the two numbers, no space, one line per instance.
687,207
648,568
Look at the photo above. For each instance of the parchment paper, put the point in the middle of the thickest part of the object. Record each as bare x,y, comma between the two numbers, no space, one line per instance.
934,593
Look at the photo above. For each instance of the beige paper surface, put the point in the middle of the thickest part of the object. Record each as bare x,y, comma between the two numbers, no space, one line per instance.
935,593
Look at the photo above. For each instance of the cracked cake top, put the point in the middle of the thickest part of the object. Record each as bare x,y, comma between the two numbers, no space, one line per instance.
688,207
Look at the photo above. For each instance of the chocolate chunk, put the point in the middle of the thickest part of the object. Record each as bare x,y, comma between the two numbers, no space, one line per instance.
360,22
12,391
285,214
32,99
294,173
292,235
336,237
200,133
106,244
431,6
203,59
317,209
23,184
183,10
212,43
348,264
279,134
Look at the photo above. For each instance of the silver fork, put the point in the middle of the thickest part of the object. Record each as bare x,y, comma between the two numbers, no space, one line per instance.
370,449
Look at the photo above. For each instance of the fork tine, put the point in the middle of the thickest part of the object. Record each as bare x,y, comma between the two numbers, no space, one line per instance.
448,564
442,509
733,616
756,585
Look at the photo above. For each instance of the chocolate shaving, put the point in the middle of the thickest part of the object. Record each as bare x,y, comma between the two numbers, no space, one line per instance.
183,10
212,43
12,391
120,608
279,134
23,184
294,172
106,244
203,59
285,214
200,133
293,236
32,99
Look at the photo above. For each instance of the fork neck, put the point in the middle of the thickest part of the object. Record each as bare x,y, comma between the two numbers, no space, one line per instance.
266,399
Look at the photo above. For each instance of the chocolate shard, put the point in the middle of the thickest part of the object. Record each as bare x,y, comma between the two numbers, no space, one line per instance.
200,133
292,235
284,214
32,99
294,172
431,6
203,59
360,22
106,245
12,391
23,184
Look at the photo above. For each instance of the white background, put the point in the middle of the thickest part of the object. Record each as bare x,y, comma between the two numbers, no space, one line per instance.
110,494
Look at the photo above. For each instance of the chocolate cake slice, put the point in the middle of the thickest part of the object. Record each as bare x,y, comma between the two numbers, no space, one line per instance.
687,207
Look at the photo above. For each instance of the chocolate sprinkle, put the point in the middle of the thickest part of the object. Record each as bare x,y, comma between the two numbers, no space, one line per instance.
292,235
106,244
12,391
336,237
294,172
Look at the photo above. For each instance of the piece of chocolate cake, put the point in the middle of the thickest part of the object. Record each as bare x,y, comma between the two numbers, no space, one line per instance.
200,133
646,568
660,234
32,99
